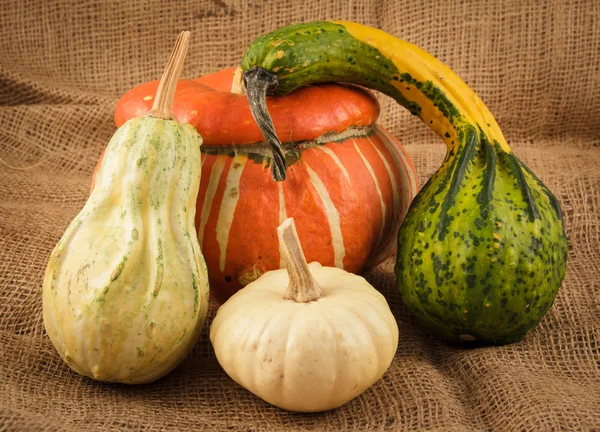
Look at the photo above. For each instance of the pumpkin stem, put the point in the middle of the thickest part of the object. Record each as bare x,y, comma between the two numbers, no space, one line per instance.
237,84
163,102
303,287
258,82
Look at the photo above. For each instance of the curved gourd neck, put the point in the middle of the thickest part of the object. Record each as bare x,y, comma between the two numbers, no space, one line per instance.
339,51
423,79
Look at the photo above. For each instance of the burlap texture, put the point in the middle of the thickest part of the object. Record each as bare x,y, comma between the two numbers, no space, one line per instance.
63,65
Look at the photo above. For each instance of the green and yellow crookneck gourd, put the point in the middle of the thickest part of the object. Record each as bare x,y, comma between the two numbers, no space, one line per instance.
125,290
482,251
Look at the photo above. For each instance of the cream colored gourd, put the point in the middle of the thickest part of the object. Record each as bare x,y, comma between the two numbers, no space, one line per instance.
306,338
126,291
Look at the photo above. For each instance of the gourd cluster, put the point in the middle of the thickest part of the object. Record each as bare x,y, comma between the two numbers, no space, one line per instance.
481,252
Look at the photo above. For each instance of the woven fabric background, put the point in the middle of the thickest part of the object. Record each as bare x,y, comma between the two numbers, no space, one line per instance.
64,64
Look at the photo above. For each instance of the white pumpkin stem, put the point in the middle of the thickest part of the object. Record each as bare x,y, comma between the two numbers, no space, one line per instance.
237,85
163,101
303,287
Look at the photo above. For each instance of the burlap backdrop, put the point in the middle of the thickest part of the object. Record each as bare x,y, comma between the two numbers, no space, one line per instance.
63,64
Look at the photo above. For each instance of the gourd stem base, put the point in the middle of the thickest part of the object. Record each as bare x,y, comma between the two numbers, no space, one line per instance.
302,287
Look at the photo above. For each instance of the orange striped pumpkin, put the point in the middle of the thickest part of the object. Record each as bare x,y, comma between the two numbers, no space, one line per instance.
349,182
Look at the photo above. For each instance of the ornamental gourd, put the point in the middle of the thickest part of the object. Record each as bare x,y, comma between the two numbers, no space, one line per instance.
305,338
482,251
125,290
349,182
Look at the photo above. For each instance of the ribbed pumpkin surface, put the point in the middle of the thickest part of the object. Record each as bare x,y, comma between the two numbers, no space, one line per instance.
349,181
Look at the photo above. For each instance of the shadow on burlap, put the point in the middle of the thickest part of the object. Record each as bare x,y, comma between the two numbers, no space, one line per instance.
64,64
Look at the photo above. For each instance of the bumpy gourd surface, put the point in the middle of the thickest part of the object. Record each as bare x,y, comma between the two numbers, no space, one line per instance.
125,292
482,251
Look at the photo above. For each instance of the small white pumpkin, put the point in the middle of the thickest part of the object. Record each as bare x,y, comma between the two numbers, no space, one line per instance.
305,338
126,288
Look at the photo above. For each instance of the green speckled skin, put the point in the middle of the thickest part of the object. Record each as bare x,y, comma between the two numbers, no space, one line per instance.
482,251
125,293
491,270
319,52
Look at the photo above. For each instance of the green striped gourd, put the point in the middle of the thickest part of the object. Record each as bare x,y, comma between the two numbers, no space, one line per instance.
125,293
482,251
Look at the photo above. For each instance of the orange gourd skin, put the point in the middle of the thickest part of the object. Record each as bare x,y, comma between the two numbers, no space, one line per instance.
223,118
347,198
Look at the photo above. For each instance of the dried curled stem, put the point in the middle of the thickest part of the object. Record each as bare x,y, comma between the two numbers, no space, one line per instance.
259,82
303,287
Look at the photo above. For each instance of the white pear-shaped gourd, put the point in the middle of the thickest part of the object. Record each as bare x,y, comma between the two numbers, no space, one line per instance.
305,338
125,292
